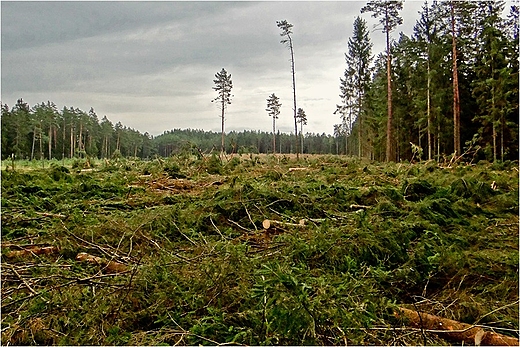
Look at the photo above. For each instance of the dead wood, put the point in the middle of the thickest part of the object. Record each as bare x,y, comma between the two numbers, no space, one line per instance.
355,207
34,250
108,266
297,169
454,330
53,215
268,223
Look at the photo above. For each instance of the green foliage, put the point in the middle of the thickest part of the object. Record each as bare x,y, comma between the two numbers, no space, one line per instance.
202,270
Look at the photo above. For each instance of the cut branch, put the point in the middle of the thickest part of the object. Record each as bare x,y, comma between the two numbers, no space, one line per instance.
454,330
32,251
267,223
108,266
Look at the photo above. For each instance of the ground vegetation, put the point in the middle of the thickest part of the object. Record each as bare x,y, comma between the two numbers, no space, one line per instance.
256,250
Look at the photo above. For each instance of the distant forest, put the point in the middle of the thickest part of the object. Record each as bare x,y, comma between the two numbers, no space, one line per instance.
450,87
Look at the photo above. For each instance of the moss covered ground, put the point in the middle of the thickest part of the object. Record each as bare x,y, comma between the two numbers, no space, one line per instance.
351,241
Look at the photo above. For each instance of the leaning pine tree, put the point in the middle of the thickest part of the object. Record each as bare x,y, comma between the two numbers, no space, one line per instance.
223,86
287,31
273,109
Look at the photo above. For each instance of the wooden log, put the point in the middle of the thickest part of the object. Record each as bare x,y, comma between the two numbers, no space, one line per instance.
454,330
36,250
108,266
267,223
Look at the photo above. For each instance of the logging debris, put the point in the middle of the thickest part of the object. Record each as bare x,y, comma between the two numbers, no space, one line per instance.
454,330
108,266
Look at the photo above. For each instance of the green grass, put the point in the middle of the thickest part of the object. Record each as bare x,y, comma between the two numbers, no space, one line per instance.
201,269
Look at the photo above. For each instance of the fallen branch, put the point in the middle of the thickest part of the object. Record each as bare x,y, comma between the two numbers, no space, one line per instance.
454,330
268,223
23,281
33,251
297,169
52,215
109,266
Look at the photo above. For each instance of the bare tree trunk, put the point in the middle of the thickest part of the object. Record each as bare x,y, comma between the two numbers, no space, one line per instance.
301,137
71,140
41,144
50,142
81,147
502,138
428,112
64,138
223,135
390,153
274,134
33,143
360,152
294,97
456,99
438,141
494,143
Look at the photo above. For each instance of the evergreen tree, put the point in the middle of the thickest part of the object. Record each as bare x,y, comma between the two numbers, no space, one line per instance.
359,58
388,10
287,31
273,109
20,119
302,119
493,72
376,110
223,86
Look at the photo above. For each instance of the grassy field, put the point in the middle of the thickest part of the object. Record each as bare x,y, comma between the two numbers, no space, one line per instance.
175,251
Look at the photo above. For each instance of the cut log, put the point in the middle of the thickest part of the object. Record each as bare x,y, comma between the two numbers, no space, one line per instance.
454,330
267,223
362,207
108,266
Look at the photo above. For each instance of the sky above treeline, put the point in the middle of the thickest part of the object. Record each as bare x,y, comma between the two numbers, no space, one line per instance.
151,65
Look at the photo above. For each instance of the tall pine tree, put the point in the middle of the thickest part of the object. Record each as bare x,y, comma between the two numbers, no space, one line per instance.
388,11
223,86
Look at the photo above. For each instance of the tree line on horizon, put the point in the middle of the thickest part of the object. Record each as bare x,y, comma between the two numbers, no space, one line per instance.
44,132
449,88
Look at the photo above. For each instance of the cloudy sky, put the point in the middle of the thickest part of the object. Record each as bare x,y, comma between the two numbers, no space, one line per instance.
151,65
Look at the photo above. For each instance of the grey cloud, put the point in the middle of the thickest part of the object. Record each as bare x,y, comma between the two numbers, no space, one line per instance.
151,65
36,23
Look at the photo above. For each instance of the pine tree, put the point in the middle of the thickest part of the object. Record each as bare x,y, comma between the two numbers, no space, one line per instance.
273,109
223,86
302,119
287,31
389,11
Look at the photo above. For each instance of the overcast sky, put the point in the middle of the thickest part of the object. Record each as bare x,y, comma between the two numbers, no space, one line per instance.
151,65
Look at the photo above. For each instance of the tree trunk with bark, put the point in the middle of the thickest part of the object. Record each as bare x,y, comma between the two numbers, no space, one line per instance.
390,152
456,98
